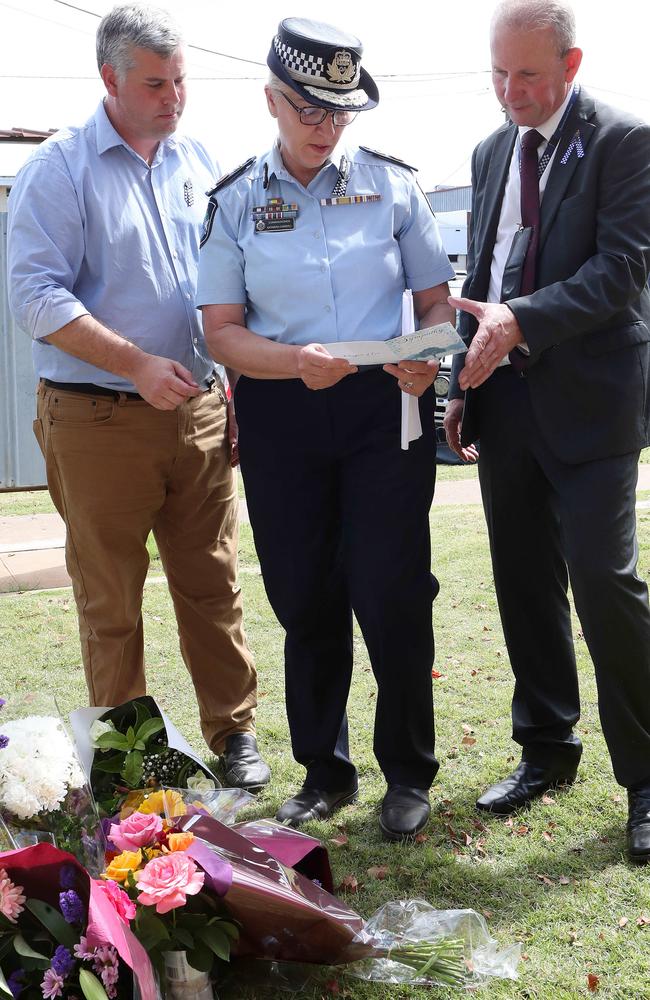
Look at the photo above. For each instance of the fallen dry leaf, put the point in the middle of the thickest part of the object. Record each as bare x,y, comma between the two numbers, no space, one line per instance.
421,838
349,883
545,879
563,880
333,987
468,741
340,841
548,800
521,831
623,922
473,673
593,982
487,914
379,871
643,921
436,674
467,729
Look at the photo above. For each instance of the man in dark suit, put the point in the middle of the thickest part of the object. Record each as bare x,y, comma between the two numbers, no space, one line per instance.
555,383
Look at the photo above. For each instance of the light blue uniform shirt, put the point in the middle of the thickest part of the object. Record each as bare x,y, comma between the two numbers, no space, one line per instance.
341,272
94,229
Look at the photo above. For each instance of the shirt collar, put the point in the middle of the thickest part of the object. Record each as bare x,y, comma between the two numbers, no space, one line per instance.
276,166
108,137
548,127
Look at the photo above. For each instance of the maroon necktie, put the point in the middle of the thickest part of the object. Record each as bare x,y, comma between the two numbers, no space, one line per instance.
529,174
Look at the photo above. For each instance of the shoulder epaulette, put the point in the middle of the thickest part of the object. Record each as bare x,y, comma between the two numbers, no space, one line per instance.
390,159
232,176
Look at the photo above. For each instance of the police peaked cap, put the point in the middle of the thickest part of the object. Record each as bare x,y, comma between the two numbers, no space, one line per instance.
322,64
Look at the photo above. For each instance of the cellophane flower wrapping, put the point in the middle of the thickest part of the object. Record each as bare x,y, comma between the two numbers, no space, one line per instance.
60,936
415,922
44,792
285,916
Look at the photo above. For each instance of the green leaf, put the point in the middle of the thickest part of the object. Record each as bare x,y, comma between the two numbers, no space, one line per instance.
216,940
112,741
231,930
184,938
149,729
53,922
200,958
91,987
112,764
132,770
130,735
24,950
150,930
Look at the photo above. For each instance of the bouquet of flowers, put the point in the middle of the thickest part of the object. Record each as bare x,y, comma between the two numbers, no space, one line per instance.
284,916
58,935
135,746
44,794
171,886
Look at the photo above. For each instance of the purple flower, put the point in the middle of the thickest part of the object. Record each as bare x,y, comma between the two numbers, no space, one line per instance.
82,950
68,877
2,702
16,981
4,741
71,907
106,966
62,961
52,985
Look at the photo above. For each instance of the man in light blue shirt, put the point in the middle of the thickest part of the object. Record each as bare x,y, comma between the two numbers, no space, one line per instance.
132,416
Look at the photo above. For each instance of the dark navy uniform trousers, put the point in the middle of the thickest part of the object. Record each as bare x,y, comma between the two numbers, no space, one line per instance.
340,516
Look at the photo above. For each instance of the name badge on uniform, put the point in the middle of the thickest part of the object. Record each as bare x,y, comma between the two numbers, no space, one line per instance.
275,217
351,199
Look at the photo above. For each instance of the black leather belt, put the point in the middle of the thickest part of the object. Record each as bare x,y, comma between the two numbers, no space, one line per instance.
91,390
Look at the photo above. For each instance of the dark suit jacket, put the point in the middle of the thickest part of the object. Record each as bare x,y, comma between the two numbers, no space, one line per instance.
587,325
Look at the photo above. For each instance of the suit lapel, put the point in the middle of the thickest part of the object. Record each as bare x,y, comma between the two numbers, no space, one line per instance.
494,186
576,135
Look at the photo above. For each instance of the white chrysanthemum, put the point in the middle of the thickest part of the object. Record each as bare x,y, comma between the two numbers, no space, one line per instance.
98,729
39,766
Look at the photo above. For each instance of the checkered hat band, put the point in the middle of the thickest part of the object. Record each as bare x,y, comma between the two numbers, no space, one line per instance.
306,68
354,100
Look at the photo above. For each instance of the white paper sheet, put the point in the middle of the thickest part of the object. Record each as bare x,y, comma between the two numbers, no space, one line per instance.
422,345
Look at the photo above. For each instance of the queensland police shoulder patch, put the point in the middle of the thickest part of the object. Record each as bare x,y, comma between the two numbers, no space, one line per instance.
390,159
208,219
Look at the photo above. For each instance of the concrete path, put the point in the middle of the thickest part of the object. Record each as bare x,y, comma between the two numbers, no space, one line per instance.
31,545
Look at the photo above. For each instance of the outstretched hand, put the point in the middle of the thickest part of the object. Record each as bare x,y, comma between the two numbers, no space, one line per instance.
498,333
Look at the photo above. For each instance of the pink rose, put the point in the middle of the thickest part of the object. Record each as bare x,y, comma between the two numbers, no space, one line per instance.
166,881
123,906
137,830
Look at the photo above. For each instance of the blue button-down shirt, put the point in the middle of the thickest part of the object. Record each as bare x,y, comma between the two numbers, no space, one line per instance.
93,229
340,273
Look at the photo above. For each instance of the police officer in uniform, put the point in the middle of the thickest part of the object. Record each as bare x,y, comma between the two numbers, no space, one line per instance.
301,249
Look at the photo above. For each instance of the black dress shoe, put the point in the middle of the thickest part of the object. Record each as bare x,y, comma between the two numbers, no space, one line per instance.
638,825
313,803
404,812
528,782
242,765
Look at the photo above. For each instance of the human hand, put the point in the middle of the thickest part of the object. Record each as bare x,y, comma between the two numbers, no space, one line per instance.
414,377
162,382
452,423
498,333
233,435
319,370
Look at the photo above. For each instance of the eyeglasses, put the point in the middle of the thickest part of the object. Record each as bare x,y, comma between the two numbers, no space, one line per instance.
315,116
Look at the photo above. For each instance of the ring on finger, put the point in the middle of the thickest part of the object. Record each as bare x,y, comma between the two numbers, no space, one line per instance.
408,385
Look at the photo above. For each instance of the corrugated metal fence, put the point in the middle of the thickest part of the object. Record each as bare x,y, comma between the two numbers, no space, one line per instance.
21,462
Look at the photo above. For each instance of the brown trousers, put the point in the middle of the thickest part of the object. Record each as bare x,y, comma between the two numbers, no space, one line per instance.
118,469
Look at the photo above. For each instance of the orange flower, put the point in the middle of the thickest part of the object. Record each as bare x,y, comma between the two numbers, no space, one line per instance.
179,841
119,868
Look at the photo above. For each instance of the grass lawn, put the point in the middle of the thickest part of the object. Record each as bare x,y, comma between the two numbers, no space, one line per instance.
554,878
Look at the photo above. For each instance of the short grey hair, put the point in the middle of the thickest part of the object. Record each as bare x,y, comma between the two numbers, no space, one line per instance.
534,15
135,25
